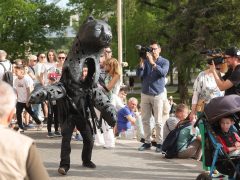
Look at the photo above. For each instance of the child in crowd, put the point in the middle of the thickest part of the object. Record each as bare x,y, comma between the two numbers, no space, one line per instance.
181,113
172,106
23,86
53,113
229,139
119,101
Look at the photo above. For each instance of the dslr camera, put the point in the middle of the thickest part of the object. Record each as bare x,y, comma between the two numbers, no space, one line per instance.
214,55
142,50
216,60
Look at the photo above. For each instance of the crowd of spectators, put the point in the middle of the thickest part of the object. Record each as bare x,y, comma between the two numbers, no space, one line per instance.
149,121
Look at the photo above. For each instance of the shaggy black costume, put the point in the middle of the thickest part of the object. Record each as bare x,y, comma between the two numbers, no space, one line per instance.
77,98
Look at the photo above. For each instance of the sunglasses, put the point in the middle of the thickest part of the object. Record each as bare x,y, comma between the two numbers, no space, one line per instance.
108,52
61,57
42,56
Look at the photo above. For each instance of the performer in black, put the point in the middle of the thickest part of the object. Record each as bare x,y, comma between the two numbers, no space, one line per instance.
76,97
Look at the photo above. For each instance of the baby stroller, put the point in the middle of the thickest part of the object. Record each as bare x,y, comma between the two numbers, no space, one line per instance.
213,153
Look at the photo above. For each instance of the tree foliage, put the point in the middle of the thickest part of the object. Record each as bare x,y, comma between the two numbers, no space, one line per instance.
25,24
193,26
183,28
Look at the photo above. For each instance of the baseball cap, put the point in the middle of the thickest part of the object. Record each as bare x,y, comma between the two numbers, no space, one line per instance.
232,51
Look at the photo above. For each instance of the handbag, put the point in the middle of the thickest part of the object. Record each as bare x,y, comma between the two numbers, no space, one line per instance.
200,105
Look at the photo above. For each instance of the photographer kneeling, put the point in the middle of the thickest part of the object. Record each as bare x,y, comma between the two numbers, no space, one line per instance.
152,70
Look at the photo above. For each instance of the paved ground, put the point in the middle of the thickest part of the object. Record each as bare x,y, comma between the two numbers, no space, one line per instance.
123,162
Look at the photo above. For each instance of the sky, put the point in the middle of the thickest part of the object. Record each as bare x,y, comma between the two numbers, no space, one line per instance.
61,3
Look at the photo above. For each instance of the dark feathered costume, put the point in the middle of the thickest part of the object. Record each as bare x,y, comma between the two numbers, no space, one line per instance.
77,98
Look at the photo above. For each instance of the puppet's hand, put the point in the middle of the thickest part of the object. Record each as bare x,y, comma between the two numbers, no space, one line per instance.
102,103
51,92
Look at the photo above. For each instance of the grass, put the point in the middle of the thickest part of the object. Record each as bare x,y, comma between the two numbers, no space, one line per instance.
171,91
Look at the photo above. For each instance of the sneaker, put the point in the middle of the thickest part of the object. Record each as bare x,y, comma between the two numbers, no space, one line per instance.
39,126
62,171
142,140
45,120
29,126
144,147
22,129
50,135
89,165
78,137
158,148
57,134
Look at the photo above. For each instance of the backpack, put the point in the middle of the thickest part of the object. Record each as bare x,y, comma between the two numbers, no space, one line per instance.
169,146
8,75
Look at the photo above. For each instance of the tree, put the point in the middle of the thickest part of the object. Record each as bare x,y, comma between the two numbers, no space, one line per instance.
183,28
25,24
196,25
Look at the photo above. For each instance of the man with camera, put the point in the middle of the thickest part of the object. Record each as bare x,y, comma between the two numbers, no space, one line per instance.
152,70
231,81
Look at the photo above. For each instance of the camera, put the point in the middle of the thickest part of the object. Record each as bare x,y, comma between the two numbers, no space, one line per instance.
216,60
215,55
142,50
213,52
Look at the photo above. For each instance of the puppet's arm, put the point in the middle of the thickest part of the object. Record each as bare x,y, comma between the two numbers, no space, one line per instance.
51,92
102,103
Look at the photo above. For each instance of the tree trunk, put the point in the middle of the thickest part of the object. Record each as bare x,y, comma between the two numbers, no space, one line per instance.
183,85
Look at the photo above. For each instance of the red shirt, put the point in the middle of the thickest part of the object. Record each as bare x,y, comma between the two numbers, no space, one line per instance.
222,141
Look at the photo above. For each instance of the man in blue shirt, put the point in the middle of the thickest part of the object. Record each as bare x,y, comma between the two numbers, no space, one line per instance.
152,71
126,116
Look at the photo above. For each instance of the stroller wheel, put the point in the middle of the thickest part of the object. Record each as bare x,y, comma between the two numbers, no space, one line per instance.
203,176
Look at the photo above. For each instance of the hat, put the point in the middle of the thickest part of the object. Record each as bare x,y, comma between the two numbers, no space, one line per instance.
170,97
232,51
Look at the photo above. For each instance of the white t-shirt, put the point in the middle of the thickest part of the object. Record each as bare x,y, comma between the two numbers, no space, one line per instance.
38,68
46,69
7,65
117,102
21,86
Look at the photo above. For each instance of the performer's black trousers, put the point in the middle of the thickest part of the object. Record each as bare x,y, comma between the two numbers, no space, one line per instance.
53,117
19,109
67,130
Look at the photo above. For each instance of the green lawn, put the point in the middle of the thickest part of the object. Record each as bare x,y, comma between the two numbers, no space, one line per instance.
171,91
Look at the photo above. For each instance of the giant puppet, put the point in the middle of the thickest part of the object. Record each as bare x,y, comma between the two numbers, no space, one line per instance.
76,98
